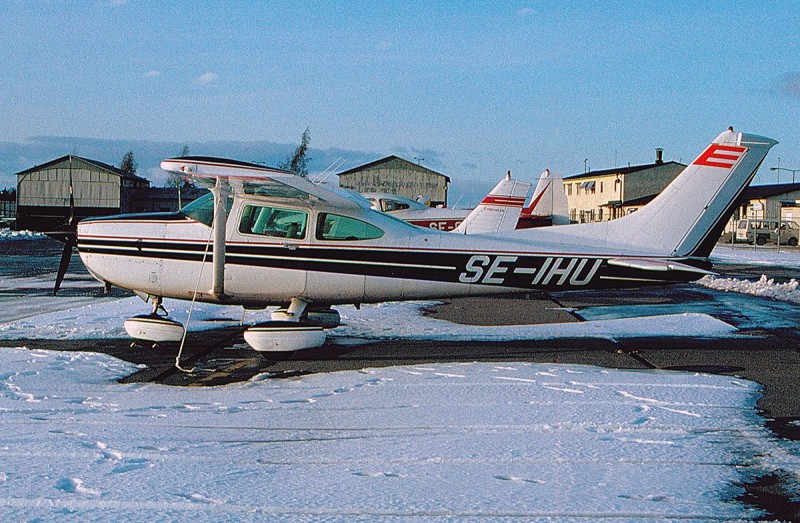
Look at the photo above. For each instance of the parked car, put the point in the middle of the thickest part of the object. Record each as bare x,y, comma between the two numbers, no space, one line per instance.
768,231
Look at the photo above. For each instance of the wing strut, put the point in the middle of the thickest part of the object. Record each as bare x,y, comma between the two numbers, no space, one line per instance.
220,223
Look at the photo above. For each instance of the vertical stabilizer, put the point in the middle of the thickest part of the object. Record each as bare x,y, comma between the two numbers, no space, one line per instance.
686,219
499,210
548,200
688,216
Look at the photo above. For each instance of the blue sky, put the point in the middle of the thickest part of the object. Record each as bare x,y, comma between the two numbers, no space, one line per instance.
473,88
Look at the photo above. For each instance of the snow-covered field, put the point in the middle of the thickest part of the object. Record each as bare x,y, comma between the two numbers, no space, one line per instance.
438,442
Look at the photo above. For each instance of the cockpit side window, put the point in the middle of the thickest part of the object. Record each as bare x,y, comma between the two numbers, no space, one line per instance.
393,205
334,227
274,222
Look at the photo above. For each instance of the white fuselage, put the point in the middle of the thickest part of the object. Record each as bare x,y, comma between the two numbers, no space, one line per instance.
170,255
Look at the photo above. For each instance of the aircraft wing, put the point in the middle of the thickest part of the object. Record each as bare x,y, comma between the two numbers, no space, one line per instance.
258,180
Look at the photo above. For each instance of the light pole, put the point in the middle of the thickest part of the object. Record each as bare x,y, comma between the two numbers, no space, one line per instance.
784,169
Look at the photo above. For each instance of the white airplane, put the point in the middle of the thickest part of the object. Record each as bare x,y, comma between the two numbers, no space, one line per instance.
265,237
548,204
417,213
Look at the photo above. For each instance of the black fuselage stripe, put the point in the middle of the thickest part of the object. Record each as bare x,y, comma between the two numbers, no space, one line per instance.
509,270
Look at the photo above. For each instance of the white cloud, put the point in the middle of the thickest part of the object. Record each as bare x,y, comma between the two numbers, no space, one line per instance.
206,78
527,11
152,74
384,45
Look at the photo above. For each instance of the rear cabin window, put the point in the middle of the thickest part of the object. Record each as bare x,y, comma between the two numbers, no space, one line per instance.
274,222
334,227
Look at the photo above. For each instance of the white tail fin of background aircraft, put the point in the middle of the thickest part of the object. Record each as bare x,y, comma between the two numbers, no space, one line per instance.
686,219
549,200
499,210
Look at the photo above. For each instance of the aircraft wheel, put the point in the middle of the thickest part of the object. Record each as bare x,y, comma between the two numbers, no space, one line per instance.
284,336
154,328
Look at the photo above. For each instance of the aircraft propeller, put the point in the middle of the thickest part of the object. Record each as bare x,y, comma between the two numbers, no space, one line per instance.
67,234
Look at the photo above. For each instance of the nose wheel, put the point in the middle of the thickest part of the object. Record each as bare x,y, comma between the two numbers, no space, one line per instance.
155,327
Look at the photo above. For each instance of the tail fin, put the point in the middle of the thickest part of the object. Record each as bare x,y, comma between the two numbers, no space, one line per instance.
499,210
548,200
686,219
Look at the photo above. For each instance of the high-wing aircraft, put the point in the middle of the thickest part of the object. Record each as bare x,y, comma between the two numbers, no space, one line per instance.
265,237
417,213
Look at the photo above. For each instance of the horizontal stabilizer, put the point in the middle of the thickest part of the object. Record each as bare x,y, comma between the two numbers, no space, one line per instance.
645,264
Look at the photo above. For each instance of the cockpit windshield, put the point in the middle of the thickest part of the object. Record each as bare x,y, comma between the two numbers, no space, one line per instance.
202,209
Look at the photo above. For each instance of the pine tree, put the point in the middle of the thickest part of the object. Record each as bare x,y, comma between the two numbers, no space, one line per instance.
298,162
128,165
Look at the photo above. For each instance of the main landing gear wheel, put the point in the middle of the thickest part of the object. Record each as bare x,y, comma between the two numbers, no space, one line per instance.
291,329
284,336
154,327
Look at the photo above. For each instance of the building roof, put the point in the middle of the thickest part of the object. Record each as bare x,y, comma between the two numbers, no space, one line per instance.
389,159
620,170
755,192
638,202
101,165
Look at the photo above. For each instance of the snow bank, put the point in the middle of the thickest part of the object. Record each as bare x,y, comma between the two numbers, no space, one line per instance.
434,442
765,288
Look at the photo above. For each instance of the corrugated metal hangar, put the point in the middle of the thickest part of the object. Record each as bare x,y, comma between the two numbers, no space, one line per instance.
394,175
98,189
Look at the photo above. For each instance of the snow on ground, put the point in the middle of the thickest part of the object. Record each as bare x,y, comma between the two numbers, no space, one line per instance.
435,442
755,255
9,235
383,321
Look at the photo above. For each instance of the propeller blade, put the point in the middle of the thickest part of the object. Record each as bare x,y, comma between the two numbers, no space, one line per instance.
66,255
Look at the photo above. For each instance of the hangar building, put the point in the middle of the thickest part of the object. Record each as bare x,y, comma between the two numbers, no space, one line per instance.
99,189
394,175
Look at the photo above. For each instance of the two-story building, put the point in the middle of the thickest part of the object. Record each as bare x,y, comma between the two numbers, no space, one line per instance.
597,196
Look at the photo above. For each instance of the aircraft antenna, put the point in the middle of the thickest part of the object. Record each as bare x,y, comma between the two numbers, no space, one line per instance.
324,175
